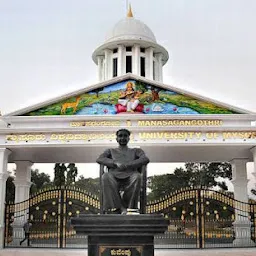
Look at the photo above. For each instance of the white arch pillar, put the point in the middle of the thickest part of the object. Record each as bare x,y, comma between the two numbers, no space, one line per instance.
4,153
22,184
22,181
242,224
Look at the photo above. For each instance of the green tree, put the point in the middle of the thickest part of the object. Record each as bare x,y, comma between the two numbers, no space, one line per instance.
155,92
64,175
39,181
194,175
206,174
89,184
97,91
71,174
140,86
59,174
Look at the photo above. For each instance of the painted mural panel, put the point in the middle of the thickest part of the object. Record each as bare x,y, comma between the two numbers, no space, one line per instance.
130,97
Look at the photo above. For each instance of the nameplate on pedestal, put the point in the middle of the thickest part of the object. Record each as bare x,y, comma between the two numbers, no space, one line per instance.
120,250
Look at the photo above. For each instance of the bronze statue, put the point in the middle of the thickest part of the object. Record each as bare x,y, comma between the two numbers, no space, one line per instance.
123,163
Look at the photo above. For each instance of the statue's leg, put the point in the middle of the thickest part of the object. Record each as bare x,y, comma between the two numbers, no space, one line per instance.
132,190
122,102
111,196
134,104
129,106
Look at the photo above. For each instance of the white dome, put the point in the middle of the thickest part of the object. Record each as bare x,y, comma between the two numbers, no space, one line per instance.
130,29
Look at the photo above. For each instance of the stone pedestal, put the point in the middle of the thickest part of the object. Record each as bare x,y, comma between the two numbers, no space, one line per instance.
114,234
242,229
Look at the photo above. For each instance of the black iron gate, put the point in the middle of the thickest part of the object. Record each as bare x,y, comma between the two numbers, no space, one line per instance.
203,218
49,213
198,218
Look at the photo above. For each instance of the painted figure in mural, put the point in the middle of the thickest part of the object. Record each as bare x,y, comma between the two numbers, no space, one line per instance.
129,98
123,163
72,105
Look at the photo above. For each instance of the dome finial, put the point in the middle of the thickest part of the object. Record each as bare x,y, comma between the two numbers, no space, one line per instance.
129,13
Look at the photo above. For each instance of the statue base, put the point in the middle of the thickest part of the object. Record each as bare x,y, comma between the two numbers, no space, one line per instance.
114,234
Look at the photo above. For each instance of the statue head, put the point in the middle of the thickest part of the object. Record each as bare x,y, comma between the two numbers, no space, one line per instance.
123,137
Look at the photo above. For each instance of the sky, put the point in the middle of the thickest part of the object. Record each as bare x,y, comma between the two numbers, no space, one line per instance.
46,46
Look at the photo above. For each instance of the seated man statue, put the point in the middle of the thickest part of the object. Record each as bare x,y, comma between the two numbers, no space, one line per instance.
123,164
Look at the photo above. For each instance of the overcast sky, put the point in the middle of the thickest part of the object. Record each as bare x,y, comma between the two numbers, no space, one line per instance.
46,46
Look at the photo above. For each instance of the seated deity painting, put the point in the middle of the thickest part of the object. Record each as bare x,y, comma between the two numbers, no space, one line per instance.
130,97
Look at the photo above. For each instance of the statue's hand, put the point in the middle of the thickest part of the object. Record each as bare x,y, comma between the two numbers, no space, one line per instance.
122,167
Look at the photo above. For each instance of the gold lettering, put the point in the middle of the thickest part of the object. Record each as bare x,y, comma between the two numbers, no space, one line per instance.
181,135
209,135
198,135
54,137
78,137
95,123
157,135
77,124
210,122
61,136
180,122
141,123
113,252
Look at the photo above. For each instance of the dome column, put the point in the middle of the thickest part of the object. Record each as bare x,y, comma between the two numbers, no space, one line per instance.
121,60
159,67
136,59
100,68
108,64
149,63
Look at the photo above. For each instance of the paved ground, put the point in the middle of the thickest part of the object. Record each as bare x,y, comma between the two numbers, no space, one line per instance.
172,252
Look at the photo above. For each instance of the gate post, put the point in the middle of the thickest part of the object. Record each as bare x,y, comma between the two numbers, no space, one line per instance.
4,153
242,224
22,184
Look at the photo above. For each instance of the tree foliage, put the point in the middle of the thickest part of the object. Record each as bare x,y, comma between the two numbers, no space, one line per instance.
194,175
97,91
140,86
72,173
89,184
39,181
65,175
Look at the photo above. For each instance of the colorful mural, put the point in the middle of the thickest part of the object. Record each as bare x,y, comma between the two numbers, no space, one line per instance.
133,97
